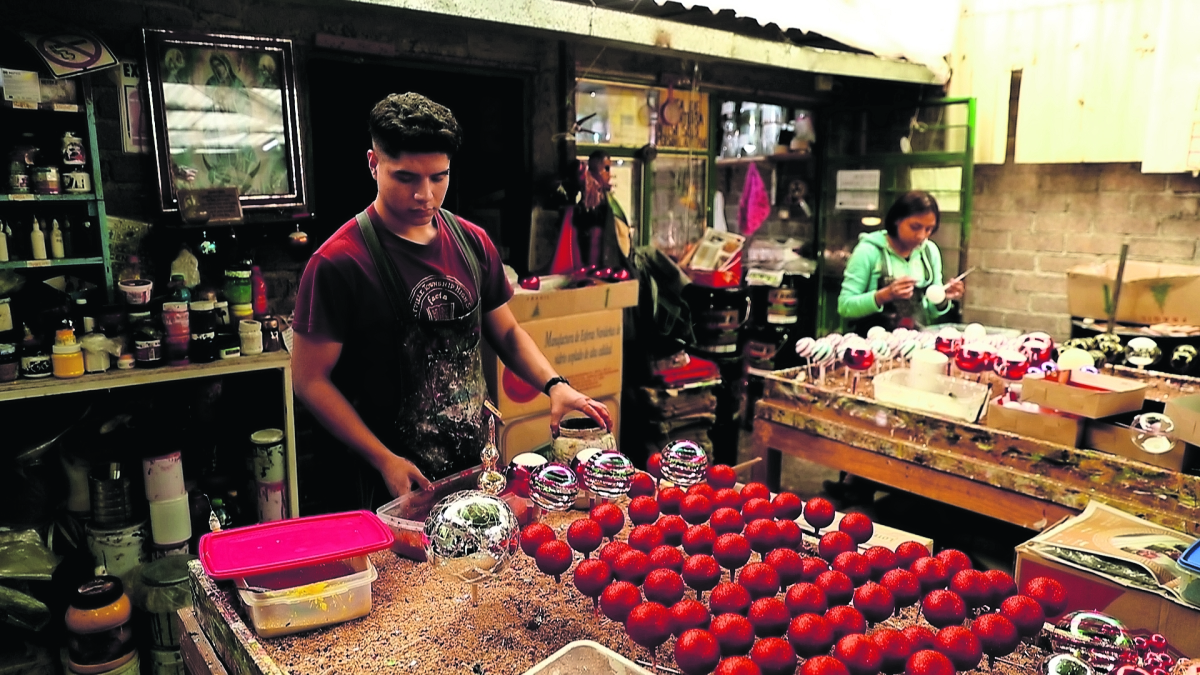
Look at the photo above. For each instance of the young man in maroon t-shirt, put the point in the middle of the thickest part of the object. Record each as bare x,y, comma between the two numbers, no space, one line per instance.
397,375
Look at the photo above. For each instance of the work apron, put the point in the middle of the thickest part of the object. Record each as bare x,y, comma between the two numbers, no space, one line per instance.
901,312
438,423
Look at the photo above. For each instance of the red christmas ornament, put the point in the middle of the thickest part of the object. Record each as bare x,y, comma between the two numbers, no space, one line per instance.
721,476
613,550
810,634
904,585
838,587
818,513
731,550
702,489
874,601
737,665
1002,586
760,579
973,587
919,637
673,528
666,558
699,539
763,535
646,537
670,499
1025,613
787,506
591,577
554,558
858,357
585,535
882,560
908,553
788,565
960,645
812,568
533,536
643,485
756,508
619,599
805,598
632,566
755,491
894,649
854,565
687,614
845,621
643,510
1050,594
930,572
728,497
654,465
824,665
664,587
649,625
859,654
955,561
725,520
696,509
697,652
774,656
858,526
834,543
790,535
610,517
734,633
729,598
997,635
943,608
769,617
928,662
974,358
530,283
701,572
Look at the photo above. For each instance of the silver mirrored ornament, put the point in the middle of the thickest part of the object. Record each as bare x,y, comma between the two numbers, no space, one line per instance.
1065,664
553,486
470,536
684,463
608,473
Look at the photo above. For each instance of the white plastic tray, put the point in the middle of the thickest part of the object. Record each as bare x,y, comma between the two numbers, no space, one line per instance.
335,592
585,656
953,397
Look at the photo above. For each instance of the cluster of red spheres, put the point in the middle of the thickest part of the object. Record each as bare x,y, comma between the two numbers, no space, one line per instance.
772,606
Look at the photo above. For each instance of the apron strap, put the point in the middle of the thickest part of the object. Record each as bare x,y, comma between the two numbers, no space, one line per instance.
460,235
388,276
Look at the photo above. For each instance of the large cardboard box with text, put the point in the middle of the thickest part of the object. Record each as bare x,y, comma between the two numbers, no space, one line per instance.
1150,292
579,330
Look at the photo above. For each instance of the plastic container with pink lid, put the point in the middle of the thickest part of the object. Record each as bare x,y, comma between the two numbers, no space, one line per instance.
299,574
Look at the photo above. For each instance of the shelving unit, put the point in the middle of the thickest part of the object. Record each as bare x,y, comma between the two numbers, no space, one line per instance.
16,118
780,157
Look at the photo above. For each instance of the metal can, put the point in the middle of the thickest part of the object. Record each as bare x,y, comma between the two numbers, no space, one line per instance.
45,180
72,150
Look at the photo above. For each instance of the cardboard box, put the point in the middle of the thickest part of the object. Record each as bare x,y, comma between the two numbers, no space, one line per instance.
1111,438
1142,612
532,434
1089,395
1046,424
1150,292
579,330
887,537
1184,411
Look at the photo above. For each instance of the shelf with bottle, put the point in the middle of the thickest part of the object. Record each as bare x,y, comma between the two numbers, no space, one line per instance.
33,239
778,157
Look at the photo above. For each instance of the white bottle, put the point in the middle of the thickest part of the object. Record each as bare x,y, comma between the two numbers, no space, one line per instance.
3,244
38,239
56,241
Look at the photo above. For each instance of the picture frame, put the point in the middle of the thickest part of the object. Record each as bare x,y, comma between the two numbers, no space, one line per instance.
223,114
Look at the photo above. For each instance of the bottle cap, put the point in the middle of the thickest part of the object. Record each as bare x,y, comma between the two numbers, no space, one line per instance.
64,336
72,348
175,306
202,306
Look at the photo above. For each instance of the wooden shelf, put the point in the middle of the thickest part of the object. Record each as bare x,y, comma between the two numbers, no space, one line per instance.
70,108
781,157
60,262
82,197
114,379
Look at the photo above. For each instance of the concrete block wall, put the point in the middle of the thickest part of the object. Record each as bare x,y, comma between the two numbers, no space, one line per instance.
1034,222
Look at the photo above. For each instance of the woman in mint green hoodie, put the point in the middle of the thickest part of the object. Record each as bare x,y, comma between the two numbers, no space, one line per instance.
889,271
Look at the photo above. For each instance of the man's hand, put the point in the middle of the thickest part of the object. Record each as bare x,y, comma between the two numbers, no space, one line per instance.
564,399
400,474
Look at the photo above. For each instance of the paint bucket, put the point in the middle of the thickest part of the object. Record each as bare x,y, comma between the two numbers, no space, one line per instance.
119,550
170,521
164,477
717,318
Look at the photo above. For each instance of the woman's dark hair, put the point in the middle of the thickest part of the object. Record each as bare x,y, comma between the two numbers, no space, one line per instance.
412,123
912,203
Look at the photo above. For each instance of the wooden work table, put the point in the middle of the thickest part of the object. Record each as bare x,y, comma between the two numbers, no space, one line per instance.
1013,478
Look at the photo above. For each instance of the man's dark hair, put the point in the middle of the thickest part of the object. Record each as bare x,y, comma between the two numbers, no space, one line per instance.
912,203
597,156
412,123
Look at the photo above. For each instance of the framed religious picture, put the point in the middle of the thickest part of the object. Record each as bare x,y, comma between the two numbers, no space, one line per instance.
223,114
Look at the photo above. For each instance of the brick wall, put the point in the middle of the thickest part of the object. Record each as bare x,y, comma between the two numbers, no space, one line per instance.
1033,222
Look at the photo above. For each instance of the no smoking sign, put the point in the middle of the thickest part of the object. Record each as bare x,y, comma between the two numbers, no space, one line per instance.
71,53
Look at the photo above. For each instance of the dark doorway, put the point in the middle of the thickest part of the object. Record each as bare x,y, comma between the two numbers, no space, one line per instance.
490,178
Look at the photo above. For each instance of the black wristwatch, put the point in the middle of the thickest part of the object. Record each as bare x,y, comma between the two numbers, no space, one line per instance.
557,379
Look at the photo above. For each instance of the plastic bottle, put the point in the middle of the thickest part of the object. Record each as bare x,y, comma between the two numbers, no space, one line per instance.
238,290
57,250
67,239
179,289
258,288
37,241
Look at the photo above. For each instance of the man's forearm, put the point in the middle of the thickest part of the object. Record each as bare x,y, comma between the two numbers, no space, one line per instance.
336,414
521,355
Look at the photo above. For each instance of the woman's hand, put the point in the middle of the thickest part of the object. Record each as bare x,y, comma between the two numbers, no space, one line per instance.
955,289
900,289
564,399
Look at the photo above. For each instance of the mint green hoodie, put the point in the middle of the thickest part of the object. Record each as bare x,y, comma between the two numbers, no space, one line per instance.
873,258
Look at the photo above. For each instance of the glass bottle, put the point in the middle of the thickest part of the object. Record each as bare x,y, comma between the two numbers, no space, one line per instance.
35,357
147,345
67,239
258,287
238,288
179,289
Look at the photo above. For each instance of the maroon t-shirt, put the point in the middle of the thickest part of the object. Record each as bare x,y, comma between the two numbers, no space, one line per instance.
341,298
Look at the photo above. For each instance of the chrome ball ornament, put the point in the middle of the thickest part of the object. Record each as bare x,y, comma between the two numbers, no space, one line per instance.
553,486
608,474
684,463
470,536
